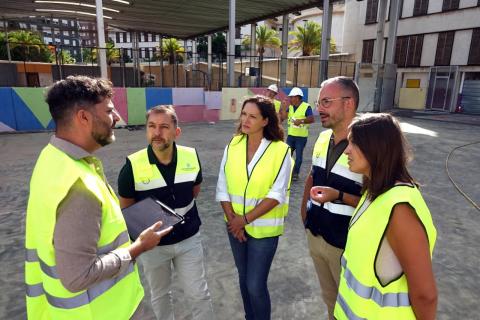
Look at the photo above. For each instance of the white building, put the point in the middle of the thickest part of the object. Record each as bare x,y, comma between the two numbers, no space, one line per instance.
437,50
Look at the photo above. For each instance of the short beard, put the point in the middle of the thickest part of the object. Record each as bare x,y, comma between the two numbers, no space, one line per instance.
102,139
161,147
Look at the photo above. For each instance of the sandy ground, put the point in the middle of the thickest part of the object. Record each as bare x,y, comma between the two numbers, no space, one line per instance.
294,288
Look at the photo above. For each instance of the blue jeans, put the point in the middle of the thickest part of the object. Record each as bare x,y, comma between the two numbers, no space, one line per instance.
253,260
297,144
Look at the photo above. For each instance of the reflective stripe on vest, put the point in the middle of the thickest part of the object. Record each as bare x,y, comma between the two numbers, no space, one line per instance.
47,298
83,298
147,176
398,299
341,209
360,293
298,114
340,168
246,192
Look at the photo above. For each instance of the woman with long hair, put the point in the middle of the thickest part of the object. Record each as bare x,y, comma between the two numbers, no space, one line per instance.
253,189
386,267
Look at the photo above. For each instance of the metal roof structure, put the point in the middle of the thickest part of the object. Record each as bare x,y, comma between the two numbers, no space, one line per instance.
182,19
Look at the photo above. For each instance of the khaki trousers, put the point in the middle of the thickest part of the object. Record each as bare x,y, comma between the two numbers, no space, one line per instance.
326,259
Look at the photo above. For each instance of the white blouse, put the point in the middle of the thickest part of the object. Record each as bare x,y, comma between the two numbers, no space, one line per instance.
280,186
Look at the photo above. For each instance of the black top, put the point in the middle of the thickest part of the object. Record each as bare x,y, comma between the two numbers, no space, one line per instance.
174,196
334,152
321,222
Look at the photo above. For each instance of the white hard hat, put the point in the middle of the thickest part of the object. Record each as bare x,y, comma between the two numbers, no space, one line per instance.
273,87
296,92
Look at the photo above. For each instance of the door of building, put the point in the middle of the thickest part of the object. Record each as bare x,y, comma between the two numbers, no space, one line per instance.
442,88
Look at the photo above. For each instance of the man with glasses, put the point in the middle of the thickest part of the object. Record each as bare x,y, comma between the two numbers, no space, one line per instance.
331,191
299,115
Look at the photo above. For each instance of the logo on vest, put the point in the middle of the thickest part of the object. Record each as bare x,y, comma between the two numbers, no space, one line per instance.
188,167
146,181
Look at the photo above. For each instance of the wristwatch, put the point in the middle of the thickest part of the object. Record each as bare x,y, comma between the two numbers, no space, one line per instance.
340,195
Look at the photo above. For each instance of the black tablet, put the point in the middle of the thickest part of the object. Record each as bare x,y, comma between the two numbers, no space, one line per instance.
145,213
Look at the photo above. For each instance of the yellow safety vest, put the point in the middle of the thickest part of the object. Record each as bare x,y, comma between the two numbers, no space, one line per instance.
340,168
247,191
116,298
147,176
277,105
300,130
361,295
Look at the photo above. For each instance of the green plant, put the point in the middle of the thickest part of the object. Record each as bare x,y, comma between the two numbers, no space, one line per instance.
308,39
172,50
24,46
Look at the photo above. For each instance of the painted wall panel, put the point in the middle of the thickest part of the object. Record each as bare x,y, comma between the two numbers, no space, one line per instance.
190,113
120,102
7,113
157,96
137,106
232,99
25,118
211,115
213,99
34,99
188,96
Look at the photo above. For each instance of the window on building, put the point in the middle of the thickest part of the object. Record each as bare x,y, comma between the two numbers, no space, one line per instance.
450,5
367,51
147,53
474,55
408,52
444,48
117,37
372,10
420,7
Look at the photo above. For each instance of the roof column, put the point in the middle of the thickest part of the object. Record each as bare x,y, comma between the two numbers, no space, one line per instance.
102,54
284,57
325,47
231,44
253,49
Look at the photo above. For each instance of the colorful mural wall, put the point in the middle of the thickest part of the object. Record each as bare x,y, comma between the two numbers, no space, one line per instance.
24,109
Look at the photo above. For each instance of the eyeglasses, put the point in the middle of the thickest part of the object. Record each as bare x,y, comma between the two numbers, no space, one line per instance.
327,102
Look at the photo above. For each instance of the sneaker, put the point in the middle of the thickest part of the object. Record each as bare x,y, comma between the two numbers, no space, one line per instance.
295,177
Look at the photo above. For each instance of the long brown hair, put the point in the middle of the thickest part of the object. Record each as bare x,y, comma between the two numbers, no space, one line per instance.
381,141
272,131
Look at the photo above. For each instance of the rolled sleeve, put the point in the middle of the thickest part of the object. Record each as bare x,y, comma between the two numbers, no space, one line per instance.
221,190
76,235
280,187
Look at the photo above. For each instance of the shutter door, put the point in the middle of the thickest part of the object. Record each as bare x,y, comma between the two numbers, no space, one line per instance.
471,96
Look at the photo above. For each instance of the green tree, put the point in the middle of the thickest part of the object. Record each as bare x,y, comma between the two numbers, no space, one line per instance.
65,57
265,38
171,50
308,39
219,45
113,54
25,46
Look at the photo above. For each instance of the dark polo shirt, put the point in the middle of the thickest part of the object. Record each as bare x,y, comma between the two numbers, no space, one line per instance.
126,189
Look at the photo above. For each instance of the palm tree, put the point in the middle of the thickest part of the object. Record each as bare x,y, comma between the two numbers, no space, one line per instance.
113,54
65,57
28,46
308,39
172,50
265,38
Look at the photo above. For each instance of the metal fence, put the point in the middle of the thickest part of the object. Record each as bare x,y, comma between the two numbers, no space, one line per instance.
36,65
